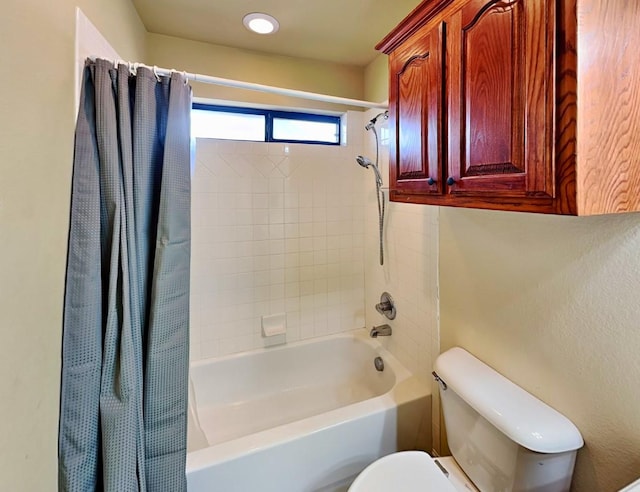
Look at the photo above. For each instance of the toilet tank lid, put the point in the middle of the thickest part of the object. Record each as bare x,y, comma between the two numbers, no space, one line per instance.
516,413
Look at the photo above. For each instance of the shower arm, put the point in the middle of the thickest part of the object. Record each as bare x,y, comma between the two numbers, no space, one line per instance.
372,122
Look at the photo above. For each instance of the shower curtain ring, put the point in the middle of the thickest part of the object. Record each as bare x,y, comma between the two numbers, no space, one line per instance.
155,72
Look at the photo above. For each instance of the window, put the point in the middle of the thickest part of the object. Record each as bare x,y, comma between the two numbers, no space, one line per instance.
258,125
227,125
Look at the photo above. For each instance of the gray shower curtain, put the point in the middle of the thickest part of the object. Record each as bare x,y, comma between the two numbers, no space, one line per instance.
124,385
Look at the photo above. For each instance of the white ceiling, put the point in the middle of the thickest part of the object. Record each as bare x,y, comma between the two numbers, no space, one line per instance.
343,31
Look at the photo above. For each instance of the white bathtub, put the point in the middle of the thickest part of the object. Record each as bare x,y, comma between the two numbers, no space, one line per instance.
306,416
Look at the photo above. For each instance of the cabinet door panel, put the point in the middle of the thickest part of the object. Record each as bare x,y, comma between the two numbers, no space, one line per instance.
417,91
499,99
493,107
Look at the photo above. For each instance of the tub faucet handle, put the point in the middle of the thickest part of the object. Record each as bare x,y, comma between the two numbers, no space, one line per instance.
386,306
382,331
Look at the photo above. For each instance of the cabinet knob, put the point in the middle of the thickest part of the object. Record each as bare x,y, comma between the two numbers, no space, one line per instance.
431,181
451,181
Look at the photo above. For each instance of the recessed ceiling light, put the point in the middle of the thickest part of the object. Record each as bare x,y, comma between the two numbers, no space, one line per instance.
260,23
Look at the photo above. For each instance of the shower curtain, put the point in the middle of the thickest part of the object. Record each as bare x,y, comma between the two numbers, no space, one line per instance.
124,385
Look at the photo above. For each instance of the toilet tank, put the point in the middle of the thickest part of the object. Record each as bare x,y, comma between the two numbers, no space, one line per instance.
504,438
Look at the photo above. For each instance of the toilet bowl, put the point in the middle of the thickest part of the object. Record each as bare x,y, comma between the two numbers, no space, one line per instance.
501,439
412,471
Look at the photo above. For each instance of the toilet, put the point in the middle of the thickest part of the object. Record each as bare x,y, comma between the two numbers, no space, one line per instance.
501,438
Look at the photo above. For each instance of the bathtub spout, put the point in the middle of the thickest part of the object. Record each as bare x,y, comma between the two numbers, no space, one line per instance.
382,331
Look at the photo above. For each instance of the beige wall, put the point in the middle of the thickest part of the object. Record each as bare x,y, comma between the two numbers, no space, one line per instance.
376,79
261,68
553,303
36,145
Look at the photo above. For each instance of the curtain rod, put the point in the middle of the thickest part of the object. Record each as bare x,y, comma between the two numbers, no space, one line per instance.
208,79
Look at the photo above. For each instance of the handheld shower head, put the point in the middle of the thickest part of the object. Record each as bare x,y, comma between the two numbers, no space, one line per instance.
366,163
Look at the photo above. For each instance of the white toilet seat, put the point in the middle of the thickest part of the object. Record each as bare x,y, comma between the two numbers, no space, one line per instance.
407,471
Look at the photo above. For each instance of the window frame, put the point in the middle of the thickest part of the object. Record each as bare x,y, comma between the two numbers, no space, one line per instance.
270,114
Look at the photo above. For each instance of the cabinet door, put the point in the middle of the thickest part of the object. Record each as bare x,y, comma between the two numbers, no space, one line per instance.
416,96
500,99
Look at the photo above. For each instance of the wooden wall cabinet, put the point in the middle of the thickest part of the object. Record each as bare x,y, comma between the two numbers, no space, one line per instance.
515,105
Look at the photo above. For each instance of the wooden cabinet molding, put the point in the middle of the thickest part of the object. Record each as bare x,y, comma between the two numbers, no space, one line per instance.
538,112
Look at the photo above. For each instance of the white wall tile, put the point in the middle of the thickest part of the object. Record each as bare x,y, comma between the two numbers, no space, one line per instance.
260,218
